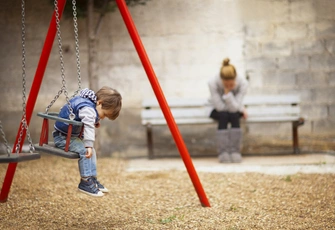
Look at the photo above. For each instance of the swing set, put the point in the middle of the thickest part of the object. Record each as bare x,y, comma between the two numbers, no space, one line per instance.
18,156
13,158
44,146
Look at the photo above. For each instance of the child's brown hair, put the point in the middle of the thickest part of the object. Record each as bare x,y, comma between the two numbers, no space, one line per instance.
227,71
110,100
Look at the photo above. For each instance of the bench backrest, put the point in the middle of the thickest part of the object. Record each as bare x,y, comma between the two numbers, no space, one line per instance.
261,108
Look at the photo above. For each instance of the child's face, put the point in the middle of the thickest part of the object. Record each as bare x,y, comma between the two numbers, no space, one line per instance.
103,112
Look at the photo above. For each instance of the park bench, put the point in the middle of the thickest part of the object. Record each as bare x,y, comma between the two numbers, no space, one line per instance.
192,111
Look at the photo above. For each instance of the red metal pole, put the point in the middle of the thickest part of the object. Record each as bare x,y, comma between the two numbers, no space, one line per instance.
162,102
33,96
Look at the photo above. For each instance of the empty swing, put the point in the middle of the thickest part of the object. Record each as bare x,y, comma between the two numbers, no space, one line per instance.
18,156
43,145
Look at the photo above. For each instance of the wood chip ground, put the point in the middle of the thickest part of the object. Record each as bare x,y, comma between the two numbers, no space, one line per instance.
44,196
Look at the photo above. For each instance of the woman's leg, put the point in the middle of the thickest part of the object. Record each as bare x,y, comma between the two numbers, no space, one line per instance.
234,119
221,117
235,136
222,135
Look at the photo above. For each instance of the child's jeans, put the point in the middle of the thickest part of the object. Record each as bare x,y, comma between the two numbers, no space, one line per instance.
87,166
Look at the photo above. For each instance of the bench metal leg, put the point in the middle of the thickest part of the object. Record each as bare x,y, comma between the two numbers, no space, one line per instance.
295,125
150,142
295,137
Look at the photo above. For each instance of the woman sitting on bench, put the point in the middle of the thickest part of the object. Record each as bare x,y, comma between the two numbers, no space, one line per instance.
227,93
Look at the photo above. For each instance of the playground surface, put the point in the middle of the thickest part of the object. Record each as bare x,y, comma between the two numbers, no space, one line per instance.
158,194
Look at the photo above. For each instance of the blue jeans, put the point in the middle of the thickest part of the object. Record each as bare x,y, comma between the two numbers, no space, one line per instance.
87,166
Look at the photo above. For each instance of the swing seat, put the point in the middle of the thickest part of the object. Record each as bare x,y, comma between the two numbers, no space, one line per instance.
50,148
19,157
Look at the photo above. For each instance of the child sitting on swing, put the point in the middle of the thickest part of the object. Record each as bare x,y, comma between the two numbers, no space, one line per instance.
89,108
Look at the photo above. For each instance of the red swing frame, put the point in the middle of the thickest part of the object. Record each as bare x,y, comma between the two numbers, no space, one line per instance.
153,81
45,134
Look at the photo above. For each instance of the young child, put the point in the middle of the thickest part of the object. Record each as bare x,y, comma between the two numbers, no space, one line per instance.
227,92
89,108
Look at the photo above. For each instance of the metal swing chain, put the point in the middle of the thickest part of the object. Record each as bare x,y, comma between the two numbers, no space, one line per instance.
63,88
76,37
24,119
4,139
61,61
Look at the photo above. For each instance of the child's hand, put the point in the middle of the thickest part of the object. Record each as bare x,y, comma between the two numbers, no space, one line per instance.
89,152
97,125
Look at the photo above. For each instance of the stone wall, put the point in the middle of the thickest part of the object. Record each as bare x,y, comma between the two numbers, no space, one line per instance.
293,52
281,46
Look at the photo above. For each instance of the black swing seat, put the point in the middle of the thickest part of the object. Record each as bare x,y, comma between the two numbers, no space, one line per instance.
54,116
51,149
18,157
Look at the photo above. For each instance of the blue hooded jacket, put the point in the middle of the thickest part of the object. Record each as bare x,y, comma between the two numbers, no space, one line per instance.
77,103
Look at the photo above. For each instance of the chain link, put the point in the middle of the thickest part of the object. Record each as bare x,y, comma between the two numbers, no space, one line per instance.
4,139
60,49
23,39
24,124
76,37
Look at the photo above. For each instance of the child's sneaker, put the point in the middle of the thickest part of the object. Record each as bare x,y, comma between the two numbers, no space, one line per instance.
100,186
89,187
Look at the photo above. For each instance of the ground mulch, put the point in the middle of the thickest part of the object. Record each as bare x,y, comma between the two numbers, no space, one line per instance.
44,196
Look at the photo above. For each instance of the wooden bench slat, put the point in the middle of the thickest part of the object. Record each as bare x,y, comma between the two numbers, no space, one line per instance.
177,113
271,99
204,113
183,121
179,121
270,111
272,119
177,102
248,100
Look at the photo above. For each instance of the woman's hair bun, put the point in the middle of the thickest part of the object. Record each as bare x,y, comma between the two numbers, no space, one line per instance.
227,71
226,62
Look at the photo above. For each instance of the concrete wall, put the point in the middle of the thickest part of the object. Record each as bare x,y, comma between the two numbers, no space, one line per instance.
281,46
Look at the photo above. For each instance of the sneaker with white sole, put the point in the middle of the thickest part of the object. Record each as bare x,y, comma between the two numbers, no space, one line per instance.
89,187
100,186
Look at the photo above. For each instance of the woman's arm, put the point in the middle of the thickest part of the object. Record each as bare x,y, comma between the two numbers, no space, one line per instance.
216,97
235,102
